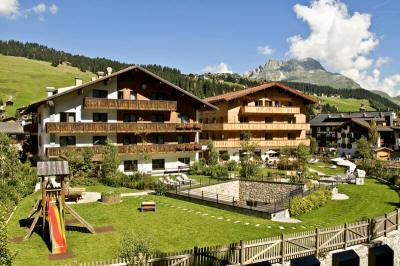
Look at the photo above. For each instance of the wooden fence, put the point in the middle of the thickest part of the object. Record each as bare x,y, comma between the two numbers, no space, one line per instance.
278,248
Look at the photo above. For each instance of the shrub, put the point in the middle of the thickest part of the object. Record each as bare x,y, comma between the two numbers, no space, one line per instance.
198,168
135,249
311,175
232,165
319,198
224,156
249,169
217,171
160,188
6,256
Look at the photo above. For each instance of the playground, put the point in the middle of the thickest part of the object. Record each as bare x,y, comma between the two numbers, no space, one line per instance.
178,225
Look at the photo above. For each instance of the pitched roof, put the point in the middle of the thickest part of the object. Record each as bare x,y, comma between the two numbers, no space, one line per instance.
363,123
125,70
237,94
11,128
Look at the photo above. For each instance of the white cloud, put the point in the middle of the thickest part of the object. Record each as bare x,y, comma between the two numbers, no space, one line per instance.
39,8
53,9
342,42
265,50
221,68
9,9
382,61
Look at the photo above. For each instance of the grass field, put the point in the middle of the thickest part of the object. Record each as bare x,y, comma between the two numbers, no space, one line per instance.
347,104
325,168
26,79
178,224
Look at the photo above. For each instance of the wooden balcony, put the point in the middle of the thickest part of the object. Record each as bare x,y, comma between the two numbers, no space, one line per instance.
269,110
255,126
119,104
78,127
272,144
128,149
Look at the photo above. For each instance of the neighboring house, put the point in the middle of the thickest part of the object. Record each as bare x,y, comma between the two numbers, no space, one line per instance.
272,113
383,154
152,122
14,130
333,129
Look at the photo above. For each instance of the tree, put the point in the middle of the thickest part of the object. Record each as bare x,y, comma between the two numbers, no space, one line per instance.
302,153
213,154
6,256
249,164
373,134
364,148
110,160
313,146
9,162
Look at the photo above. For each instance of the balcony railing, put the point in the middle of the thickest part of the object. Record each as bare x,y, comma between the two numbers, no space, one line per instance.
128,149
273,144
255,126
104,127
269,110
119,104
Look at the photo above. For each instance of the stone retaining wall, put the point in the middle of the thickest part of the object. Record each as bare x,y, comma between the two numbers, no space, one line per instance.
230,189
267,192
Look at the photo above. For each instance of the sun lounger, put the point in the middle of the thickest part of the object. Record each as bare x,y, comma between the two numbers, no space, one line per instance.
186,178
181,180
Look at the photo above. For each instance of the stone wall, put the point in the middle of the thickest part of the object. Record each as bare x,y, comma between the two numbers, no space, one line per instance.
266,191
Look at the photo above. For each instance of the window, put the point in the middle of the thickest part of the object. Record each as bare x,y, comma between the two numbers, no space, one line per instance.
214,120
156,96
99,140
292,120
349,146
133,95
201,120
258,103
268,120
100,94
120,95
99,117
243,119
291,136
157,118
129,139
183,139
184,118
185,160
158,164
221,119
157,139
290,104
67,117
52,138
67,141
130,166
130,118
268,136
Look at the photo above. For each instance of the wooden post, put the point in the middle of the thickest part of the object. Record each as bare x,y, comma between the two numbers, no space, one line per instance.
385,225
316,242
233,200
345,236
217,198
63,198
43,204
282,248
242,258
202,196
195,252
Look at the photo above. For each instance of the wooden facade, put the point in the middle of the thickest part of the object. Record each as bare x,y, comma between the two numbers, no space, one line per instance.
128,149
131,127
122,104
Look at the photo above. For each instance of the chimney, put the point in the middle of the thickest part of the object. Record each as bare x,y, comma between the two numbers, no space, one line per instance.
100,74
78,81
51,91
109,71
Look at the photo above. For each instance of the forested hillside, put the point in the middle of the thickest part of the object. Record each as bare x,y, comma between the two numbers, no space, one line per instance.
201,85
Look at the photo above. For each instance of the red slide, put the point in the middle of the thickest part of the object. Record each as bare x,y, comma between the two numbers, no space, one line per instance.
57,237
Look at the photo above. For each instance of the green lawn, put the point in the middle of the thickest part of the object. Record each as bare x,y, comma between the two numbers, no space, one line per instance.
347,104
325,168
26,79
173,228
103,188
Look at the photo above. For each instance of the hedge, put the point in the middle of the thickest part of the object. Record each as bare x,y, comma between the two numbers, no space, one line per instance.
300,205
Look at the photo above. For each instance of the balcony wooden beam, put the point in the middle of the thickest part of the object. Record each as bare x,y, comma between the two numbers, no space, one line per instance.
120,104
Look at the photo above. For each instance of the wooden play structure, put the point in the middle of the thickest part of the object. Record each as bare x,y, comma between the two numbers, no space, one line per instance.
51,205
148,206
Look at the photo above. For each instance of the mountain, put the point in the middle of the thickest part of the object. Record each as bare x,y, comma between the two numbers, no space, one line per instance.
395,99
306,71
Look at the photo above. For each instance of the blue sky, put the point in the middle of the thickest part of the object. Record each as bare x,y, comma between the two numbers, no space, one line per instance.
191,35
